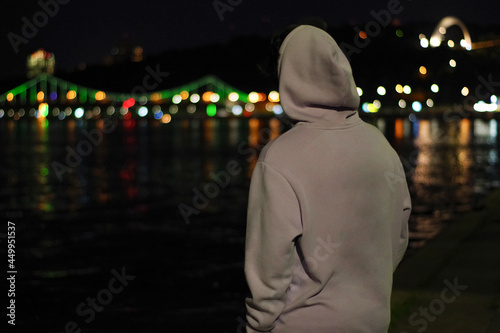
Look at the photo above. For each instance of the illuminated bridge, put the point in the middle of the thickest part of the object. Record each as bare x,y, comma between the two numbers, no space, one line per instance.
49,97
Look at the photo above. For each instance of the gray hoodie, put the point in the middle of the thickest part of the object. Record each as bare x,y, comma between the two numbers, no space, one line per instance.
328,204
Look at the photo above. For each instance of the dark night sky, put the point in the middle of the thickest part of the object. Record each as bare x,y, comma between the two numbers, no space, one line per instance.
85,31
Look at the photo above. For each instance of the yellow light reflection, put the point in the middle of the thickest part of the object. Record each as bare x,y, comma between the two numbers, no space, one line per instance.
464,137
206,96
155,97
233,97
254,125
274,96
100,95
253,141
166,118
253,97
71,94
398,129
424,133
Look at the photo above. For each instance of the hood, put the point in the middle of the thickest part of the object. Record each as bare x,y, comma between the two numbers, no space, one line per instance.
315,78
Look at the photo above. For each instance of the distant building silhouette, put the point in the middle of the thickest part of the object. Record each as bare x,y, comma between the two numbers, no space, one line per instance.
125,51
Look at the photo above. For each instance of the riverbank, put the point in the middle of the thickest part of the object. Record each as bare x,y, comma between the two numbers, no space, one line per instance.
453,283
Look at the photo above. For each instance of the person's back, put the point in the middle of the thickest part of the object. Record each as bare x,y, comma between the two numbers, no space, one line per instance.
328,206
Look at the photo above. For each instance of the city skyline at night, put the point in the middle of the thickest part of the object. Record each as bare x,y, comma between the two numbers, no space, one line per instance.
86,34
415,71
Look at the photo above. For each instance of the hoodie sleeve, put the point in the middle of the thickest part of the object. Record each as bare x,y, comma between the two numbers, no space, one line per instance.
273,224
406,200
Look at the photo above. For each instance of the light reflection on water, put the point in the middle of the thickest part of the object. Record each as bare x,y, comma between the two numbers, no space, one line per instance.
145,167
119,207
447,171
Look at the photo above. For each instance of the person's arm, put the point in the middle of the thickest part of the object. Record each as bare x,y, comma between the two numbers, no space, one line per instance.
273,224
403,237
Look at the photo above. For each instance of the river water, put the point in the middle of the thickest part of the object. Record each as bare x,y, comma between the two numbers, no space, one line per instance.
167,202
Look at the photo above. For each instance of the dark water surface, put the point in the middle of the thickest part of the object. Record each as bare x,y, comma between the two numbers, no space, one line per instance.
163,207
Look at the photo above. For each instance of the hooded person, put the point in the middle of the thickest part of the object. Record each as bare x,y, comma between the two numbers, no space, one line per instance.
328,208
